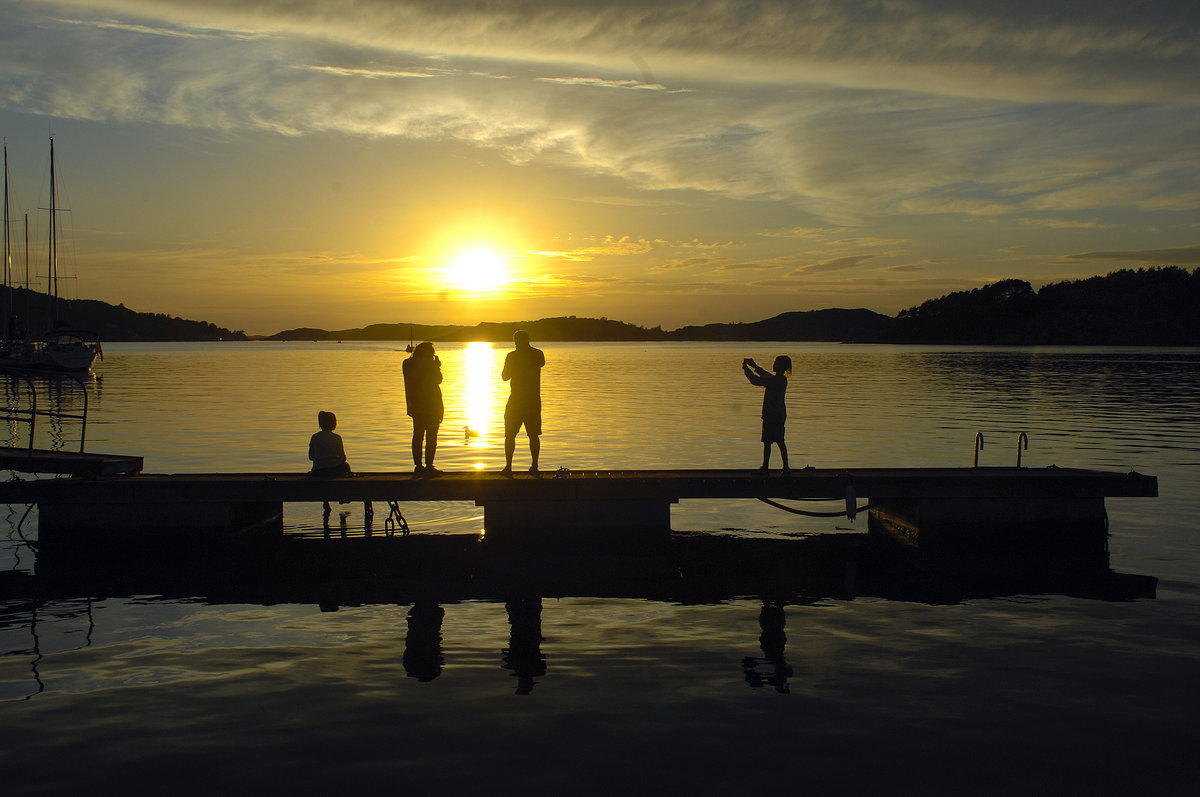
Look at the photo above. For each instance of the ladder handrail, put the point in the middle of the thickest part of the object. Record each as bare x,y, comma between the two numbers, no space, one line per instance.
29,415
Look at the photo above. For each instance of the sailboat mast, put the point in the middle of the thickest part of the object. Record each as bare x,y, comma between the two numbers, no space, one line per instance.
53,241
26,316
7,250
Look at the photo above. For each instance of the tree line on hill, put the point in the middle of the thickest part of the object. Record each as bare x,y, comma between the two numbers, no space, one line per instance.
34,313
1157,306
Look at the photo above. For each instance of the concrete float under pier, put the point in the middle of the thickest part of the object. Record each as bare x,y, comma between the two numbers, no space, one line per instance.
549,524
154,528
953,525
960,509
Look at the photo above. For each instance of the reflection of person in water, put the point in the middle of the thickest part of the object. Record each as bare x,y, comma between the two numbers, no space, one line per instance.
423,394
523,371
423,643
774,408
773,641
524,652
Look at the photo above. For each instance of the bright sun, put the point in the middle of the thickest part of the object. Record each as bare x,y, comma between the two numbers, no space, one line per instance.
478,271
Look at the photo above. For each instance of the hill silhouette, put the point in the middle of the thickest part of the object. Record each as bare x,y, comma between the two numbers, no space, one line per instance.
848,326
111,322
567,328
1158,306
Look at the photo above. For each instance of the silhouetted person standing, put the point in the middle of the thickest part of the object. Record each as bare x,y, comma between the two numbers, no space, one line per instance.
423,395
523,371
774,408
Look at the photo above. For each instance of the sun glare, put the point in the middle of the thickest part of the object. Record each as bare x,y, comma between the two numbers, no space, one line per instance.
477,271
481,388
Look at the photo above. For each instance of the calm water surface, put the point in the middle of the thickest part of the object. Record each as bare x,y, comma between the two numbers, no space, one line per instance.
1037,692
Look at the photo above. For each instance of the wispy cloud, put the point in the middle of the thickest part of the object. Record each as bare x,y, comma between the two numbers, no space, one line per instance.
830,106
1022,50
1068,224
749,266
803,233
375,73
839,264
682,264
626,84
1189,255
167,31
608,247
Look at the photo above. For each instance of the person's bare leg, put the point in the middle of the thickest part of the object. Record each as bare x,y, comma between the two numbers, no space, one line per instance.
766,456
783,453
510,447
535,450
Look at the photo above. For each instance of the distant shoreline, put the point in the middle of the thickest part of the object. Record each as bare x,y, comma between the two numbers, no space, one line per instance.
1146,307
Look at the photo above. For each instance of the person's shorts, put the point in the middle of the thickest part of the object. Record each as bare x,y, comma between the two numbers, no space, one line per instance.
518,415
428,420
772,431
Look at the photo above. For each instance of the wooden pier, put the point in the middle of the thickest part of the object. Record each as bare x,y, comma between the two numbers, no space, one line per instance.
68,463
926,508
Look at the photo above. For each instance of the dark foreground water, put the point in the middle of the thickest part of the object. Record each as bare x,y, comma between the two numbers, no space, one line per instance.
602,674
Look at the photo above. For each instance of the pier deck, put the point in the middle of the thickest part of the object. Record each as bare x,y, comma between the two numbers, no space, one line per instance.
923,507
671,485
69,463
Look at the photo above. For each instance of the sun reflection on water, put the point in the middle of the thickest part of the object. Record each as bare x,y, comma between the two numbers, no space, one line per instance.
480,393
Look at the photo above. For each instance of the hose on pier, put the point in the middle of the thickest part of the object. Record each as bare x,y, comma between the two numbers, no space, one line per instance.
794,511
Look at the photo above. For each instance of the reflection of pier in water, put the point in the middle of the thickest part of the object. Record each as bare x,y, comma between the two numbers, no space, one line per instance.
430,574
692,568
30,600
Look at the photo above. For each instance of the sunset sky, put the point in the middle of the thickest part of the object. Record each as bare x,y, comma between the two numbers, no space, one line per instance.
335,163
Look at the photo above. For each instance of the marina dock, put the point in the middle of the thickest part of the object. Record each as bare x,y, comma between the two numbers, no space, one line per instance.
68,463
924,508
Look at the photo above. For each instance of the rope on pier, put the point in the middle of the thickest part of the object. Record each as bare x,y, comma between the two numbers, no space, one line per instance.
794,511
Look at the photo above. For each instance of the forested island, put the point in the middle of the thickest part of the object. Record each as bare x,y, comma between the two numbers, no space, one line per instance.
1153,307
33,313
1159,306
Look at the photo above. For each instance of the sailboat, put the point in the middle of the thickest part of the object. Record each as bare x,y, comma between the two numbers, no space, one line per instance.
63,349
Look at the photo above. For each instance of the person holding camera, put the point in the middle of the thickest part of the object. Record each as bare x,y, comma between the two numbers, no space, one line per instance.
774,408
423,395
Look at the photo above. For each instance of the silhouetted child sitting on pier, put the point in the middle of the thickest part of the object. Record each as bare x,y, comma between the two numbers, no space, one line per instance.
325,448
774,409
329,459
